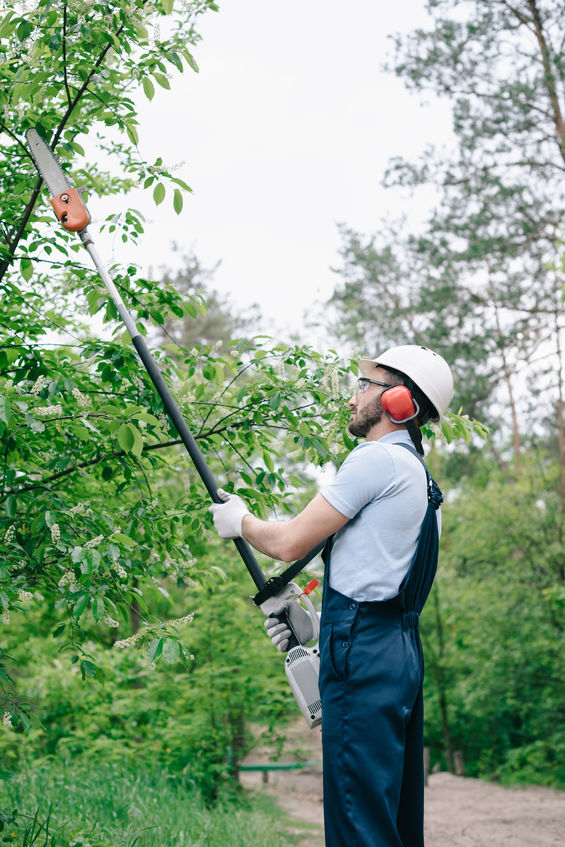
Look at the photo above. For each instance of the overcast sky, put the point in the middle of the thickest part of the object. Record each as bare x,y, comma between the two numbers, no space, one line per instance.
285,132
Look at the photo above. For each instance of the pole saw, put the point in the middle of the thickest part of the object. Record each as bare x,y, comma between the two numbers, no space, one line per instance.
301,663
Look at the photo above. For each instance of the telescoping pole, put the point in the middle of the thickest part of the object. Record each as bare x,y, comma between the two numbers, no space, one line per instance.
170,405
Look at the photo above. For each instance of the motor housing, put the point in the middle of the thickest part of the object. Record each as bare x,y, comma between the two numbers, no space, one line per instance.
302,668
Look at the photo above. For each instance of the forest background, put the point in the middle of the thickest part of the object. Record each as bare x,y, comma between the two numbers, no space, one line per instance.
134,667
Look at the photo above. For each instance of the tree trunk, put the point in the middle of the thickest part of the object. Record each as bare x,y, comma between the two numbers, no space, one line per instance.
439,673
507,371
549,78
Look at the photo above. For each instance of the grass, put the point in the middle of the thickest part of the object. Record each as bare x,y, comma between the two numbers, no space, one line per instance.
105,806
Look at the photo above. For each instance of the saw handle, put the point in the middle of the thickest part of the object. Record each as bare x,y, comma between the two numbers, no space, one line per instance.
282,617
70,210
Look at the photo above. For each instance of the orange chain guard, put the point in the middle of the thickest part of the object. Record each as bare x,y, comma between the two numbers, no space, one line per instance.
70,210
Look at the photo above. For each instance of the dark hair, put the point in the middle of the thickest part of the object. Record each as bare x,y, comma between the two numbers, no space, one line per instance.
427,412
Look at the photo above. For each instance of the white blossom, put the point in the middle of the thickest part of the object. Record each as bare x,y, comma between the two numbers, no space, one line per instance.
24,595
9,534
55,533
38,385
110,622
68,578
7,720
94,542
80,398
185,619
128,642
47,411
120,570
334,378
76,510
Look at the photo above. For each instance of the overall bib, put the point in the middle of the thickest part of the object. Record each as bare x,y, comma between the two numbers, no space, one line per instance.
371,676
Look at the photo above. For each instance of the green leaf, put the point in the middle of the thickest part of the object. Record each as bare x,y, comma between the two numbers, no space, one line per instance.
88,669
137,447
148,88
141,32
182,183
191,61
167,6
126,437
132,132
125,539
6,26
162,80
170,651
98,608
24,30
155,649
11,506
5,410
177,201
275,400
147,417
80,605
26,269
159,193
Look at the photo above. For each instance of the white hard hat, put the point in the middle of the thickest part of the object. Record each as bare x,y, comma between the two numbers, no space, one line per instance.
428,370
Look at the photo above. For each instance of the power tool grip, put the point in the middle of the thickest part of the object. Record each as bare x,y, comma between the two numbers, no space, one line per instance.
282,617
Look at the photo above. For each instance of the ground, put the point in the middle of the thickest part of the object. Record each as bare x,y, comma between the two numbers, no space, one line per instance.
460,812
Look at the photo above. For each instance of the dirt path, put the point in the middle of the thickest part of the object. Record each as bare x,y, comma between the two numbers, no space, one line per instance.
460,812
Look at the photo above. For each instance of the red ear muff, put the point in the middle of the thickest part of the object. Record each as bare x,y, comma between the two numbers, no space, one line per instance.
399,404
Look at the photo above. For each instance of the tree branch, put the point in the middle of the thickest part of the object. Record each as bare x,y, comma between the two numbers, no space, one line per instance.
91,462
549,78
29,208
69,98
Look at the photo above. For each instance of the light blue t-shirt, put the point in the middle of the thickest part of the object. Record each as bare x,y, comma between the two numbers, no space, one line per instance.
382,489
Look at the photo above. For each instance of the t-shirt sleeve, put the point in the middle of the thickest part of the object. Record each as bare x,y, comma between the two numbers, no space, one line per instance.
366,474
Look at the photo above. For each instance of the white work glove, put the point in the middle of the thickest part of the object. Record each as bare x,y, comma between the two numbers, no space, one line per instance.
301,620
228,516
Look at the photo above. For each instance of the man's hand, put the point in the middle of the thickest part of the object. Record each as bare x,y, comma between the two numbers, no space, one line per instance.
228,516
301,620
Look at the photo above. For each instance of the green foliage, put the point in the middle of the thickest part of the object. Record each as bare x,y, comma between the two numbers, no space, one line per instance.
191,721
110,805
494,630
97,503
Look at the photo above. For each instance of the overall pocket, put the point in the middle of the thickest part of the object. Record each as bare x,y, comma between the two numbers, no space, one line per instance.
339,647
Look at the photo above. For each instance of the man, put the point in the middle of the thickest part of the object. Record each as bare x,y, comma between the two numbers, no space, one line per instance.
379,516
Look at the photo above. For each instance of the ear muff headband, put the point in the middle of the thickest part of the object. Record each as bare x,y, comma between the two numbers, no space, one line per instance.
399,404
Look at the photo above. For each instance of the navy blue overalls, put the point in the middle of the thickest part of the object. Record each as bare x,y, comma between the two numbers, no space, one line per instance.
371,676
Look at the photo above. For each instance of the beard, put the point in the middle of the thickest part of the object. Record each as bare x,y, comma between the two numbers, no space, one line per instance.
364,420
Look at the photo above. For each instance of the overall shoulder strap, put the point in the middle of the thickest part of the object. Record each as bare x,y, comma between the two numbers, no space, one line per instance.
435,497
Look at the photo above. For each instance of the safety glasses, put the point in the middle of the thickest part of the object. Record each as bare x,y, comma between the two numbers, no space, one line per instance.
364,381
